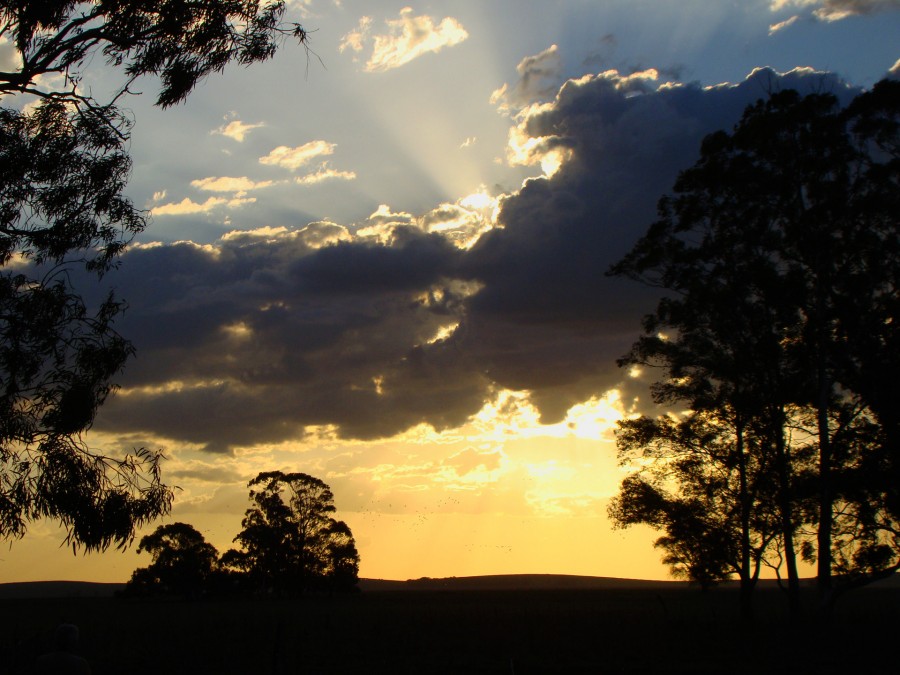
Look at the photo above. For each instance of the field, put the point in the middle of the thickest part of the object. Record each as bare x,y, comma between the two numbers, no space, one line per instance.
425,628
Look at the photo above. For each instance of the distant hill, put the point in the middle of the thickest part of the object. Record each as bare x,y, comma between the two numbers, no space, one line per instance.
57,589
84,589
515,582
498,582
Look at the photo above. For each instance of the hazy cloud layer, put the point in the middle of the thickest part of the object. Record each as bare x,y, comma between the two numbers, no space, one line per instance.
407,319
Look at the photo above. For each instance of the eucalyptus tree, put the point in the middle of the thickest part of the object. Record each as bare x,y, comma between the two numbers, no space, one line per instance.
705,493
64,217
182,562
289,541
773,251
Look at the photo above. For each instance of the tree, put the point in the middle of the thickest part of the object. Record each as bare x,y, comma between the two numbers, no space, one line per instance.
183,562
289,541
779,245
692,485
63,170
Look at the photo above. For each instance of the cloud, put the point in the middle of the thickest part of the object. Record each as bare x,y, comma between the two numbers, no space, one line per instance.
324,173
781,25
187,206
408,38
10,59
547,319
236,130
835,10
403,320
294,158
355,39
539,80
470,460
229,184
266,333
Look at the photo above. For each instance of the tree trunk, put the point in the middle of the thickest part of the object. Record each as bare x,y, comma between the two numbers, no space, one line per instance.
782,453
747,581
826,499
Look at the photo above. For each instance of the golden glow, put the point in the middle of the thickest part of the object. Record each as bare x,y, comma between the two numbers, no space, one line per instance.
523,149
238,331
170,387
512,415
443,333
501,494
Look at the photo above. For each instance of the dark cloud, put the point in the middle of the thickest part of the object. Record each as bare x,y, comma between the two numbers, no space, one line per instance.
266,333
411,261
548,319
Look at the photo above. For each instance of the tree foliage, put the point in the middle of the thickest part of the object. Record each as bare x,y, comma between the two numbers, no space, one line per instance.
64,218
183,563
779,252
289,542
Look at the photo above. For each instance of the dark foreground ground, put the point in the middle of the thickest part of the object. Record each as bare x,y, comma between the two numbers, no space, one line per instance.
656,629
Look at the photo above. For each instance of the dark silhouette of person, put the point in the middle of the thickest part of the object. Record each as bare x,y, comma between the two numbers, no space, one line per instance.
63,660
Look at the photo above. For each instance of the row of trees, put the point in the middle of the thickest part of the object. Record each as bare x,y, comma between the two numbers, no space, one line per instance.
289,544
779,260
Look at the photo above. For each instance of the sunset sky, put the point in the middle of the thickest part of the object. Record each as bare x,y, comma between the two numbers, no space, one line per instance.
382,263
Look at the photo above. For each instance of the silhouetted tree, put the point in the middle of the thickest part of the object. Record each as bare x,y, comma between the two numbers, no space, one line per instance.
182,562
780,244
289,541
710,495
63,169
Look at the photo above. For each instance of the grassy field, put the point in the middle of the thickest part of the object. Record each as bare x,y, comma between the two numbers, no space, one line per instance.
630,630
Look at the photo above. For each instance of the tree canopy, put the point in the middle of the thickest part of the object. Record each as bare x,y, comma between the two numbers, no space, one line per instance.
64,166
289,542
183,562
777,247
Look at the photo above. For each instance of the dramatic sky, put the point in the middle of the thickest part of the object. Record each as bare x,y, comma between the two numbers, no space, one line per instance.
382,263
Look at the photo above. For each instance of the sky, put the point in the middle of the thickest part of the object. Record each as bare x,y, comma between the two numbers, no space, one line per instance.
382,262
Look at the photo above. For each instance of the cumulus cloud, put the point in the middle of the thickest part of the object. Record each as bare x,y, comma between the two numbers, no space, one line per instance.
547,319
236,130
379,327
268,332
294,158
408,38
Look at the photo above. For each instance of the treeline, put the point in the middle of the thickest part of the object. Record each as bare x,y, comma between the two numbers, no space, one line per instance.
289,544
779,260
